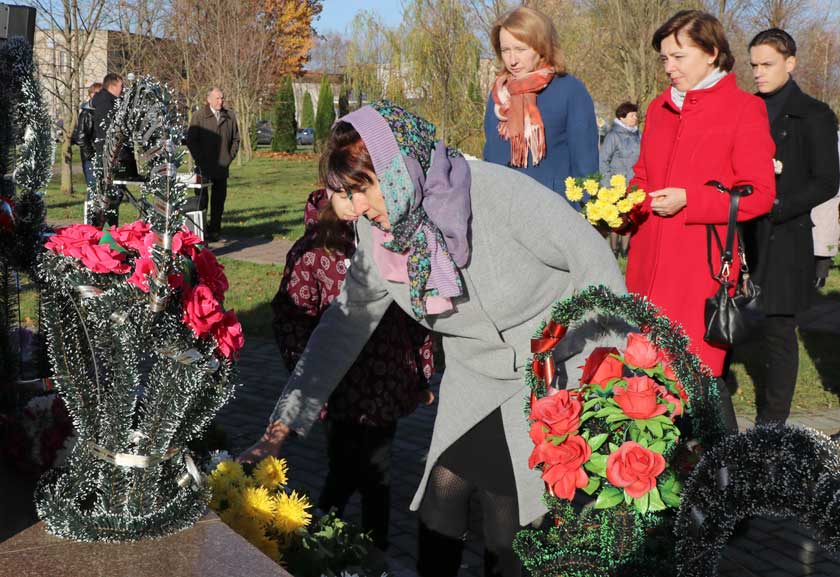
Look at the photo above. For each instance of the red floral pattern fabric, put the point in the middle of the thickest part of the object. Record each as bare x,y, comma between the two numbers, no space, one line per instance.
394,367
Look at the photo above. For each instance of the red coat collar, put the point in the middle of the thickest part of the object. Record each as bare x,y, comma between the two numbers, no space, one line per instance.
727,84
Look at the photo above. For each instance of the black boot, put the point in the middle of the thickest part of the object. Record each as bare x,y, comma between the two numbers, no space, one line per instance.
503,563
437,554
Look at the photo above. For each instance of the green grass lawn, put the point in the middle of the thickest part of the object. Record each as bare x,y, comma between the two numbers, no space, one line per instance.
265,199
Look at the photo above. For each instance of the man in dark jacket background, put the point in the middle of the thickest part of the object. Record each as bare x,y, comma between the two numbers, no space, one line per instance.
213,140
84,134
779,245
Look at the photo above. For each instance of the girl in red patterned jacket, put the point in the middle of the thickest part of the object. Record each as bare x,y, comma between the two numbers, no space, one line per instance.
387,381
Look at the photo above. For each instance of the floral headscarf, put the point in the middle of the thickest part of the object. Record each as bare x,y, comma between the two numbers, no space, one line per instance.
426,188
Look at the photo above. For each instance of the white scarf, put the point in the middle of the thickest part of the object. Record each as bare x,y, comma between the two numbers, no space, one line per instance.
630,128
710,80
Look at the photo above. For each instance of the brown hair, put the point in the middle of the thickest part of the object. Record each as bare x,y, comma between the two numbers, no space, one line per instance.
780,40
534,29
111,79
94,88
703,29
330,232
345,162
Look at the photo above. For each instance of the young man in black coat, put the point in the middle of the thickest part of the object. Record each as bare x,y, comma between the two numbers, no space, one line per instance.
780,245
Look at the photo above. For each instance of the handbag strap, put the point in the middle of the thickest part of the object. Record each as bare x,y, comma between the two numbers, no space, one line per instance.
731,227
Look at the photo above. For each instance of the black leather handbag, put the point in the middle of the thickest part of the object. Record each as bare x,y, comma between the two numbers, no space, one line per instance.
731,320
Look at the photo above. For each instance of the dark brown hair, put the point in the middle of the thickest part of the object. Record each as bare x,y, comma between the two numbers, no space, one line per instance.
345,162
111,79
780,40
94,88
703,29
330,232
535,29
624,109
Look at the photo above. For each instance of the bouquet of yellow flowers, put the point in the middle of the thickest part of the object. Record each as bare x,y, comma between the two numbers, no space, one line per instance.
612,207
258,506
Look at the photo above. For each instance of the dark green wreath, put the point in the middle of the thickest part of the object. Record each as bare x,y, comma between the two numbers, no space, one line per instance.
775,471
608,542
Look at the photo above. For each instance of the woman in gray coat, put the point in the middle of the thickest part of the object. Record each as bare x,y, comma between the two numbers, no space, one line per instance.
478,253
619,153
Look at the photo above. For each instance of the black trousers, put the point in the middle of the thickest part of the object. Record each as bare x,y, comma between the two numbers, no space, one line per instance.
780,348
360,459
218,194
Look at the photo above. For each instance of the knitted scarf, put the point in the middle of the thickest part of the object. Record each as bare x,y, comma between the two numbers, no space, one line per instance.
519,118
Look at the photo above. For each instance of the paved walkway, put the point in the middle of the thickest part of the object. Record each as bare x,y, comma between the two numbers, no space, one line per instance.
771,548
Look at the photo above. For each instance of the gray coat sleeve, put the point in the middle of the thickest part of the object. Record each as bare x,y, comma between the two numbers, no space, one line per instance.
607,151
338,339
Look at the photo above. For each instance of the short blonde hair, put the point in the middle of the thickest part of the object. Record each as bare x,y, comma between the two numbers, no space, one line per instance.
534,29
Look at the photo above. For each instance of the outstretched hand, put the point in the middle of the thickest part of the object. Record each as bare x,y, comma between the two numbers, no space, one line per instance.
268,445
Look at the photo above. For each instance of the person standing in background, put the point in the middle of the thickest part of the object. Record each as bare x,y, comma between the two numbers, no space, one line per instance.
84,136
539,119
213,140
103,102
780,244
619,152
826,218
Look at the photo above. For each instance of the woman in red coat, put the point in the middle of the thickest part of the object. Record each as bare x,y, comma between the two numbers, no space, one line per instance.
703,127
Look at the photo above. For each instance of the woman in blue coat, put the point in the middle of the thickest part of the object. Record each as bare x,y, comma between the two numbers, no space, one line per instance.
539,120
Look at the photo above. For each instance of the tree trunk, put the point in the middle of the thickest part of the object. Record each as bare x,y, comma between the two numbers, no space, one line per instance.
66,163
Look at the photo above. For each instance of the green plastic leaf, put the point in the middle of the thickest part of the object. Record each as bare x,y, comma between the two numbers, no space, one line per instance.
111,241
670,499
615,417
613,447
594,483
655,428
642,504
555,440
586,416
591,403
609,497
598,440
658,447
608,411
655,502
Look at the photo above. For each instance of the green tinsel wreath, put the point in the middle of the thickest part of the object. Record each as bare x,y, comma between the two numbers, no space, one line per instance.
607,542
775,471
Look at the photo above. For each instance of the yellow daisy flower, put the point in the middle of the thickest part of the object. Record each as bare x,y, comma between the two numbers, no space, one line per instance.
591,186
638,196
624,205
593,212
610,212
571,182
272,472
615,223
258,503
575,193
229,471
291,512
618,181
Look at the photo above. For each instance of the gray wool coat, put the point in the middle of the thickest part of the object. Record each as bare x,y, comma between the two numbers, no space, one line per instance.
529,249
619,153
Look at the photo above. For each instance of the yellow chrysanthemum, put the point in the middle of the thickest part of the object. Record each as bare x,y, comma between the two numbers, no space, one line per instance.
610,213
272,472
614,222
618,181
619,192
574,193
637,196
291,512
258,503
593,212
229,471
269,547
624,205
591,186
570,182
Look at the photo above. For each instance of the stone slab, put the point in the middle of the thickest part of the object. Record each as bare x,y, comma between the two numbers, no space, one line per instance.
208,549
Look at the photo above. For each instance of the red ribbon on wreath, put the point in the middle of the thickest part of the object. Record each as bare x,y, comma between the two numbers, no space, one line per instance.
551,335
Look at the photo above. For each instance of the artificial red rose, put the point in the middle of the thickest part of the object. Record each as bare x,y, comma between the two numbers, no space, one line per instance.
211,273
669,398
634,469
600,367
143,267
201,310
639,400
640,352
564,466
132,236
228,335
185,242
561,412
69,240
101,258
538,432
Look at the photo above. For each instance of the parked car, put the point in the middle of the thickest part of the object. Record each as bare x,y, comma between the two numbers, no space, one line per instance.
306,136
264,132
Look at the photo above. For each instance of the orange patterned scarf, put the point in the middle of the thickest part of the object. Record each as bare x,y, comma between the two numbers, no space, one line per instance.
519,118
